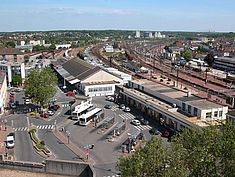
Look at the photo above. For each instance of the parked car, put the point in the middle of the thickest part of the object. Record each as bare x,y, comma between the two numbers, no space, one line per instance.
45,115
166,134
50,112
54,107
135,122
26,100
70,93
13,105
144,121
109,98
10,142
108,106
12,93
154,131
127,109
122,106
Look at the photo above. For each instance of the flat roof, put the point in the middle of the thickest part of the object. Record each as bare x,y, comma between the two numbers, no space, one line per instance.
204,104
166,90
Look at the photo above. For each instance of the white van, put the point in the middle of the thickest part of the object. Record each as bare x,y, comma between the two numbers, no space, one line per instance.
10,142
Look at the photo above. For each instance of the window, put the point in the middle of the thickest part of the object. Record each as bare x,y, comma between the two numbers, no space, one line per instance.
216,114
208,115
220,113
195,111
189,109
183,106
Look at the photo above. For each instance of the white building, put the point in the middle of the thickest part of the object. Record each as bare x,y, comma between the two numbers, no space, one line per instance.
137,34
3,92
89,79
58,46
36,42
109,49
12,63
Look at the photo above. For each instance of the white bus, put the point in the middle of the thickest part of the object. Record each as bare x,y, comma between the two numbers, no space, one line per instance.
81,109
86,119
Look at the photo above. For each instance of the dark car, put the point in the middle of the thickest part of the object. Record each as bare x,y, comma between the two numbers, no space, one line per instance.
108,106
45,115
154,131
144,121
54,107
166,134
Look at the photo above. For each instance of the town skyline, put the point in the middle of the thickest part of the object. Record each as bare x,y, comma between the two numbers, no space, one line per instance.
177,15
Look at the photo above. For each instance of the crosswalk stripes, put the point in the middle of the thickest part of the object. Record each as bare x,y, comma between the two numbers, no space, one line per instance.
65,105
114,108
143,127
127,116
112,176
40,127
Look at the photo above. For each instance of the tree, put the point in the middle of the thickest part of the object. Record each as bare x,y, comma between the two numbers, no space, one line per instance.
52,47
16,80
152,160
209,59
41,85
188,55
10,44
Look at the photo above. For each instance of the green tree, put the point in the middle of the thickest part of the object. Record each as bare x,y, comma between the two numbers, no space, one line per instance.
41,85
188,55
9,44
155,159
16,80
52,47
209,59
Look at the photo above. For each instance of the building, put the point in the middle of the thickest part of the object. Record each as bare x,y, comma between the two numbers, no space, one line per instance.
3,91
137,34
150,35
225,64
231,116
36,42
91,80
109,49
174,108
12,63
62,46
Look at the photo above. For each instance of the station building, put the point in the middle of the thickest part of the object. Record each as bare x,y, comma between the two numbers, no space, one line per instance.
172,107
89,79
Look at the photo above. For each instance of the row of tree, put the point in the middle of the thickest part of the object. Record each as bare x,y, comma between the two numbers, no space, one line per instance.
207,152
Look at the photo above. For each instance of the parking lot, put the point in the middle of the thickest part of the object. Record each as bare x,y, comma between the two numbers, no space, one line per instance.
108,141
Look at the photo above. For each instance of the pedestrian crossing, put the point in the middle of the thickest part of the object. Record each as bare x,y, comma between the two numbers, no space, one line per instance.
39,127
113,176
143,127
114,108
127,116
65,105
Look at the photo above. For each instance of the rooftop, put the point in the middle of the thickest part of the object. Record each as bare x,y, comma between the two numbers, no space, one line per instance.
10,51
204,104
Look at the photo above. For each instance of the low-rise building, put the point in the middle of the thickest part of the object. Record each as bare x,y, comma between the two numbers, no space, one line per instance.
225,64
109,49
170,106
91,80
12,63
3,91
231,116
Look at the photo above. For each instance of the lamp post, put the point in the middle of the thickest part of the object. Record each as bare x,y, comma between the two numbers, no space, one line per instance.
68,135
5,124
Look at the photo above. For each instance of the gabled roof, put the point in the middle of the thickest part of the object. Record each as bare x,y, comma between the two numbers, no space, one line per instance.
76,69
10,51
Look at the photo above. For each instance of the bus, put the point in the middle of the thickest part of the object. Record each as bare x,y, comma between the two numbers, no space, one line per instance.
81,109
89,116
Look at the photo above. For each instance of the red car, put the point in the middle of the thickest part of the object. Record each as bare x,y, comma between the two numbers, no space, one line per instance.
166,134
70,93
45,115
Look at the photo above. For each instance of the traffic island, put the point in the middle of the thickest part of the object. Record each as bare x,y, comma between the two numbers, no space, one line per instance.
39,145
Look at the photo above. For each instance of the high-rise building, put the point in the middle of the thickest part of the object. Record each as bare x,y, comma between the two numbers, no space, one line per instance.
137,34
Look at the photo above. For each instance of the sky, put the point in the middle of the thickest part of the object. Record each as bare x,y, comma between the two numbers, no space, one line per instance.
151,15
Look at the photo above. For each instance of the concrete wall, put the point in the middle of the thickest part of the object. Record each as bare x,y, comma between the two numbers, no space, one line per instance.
58,167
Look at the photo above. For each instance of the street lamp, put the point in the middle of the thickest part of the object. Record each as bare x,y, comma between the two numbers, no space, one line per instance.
68,135
5,124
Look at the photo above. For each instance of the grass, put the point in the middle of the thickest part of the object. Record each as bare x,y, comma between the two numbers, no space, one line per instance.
39,144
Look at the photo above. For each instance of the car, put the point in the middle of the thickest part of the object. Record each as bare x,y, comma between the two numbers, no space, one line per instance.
54,107
144,121
12,93
26,101
108,106
166,134
70,93
10,142
50,112
13,105
109,98
45,115
154,131
127,109
122,106
135,122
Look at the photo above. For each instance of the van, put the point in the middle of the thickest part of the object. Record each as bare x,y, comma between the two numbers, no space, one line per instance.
10,142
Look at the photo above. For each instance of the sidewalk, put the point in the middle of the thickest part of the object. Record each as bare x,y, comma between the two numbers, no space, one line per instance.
3,137
80,153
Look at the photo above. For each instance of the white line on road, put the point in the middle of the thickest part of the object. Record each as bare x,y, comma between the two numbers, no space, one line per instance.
46,126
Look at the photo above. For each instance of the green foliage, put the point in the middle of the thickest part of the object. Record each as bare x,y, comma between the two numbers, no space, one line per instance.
207,152
37,48
52,47
188,55
41,85
209,59
9,44
16,80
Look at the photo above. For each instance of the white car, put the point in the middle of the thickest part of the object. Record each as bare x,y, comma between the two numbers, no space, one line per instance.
10,142
127,109
135,122
50,112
